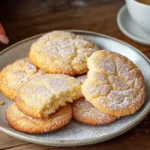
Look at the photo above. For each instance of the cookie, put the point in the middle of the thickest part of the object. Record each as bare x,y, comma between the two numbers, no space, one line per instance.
27,124
61,52
43,95
85,112
15,74
114,84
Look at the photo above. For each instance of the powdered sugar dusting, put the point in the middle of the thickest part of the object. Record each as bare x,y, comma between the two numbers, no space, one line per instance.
123,99
98,90
57,85
122,82
65,46
118,83
107,65
37,94
85,112
97,77
47,85
47,93
19,72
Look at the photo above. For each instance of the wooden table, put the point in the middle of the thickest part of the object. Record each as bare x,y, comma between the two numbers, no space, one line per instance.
23,19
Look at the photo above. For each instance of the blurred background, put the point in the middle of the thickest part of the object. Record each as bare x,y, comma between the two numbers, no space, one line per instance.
25,18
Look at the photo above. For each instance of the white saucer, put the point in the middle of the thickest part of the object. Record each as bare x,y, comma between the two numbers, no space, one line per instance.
130,28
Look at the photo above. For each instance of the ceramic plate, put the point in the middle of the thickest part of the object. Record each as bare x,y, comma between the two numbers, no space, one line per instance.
130,28
76,133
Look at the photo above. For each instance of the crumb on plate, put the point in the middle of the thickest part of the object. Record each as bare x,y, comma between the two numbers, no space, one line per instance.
2,103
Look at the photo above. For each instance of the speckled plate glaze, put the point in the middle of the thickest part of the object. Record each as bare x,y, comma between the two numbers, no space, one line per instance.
75,133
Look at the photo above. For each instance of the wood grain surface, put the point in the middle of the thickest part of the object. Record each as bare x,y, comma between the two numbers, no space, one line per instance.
22,19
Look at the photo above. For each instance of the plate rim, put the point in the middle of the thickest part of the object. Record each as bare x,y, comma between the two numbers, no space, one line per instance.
62,143
131,36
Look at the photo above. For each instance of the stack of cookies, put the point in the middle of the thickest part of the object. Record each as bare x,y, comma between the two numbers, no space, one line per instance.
52,85
114,87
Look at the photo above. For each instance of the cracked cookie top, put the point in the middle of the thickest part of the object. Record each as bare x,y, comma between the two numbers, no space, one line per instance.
15,74
114,84
62,52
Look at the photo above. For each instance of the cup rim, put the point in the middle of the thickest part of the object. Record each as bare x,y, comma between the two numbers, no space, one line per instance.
142,4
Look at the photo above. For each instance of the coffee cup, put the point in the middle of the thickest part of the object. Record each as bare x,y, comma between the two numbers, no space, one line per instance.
140,13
